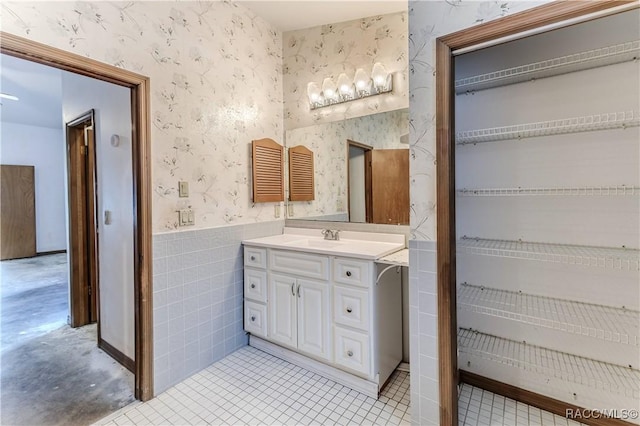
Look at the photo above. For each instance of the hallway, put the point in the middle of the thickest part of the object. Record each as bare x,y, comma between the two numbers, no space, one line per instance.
50,373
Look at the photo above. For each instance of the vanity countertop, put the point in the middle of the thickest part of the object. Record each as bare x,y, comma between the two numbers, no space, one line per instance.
362,245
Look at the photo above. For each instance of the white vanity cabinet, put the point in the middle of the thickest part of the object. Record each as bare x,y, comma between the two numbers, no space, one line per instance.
299,314
327,313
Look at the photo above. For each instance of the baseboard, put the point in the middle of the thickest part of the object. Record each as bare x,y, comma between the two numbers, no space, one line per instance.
346,379
114,353
404,366
45,253
546,403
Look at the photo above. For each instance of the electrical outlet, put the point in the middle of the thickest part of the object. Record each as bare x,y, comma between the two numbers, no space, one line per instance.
340,205
183,189
290,212
276,211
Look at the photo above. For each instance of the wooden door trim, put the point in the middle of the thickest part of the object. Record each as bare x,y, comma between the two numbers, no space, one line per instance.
141,132
366,148
534,18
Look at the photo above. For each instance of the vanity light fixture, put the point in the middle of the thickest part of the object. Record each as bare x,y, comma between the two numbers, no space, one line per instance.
346,90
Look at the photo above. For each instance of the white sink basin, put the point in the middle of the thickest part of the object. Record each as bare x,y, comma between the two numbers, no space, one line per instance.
325,244
352,244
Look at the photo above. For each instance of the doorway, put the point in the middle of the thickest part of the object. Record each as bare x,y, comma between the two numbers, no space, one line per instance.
83,235
534,21
378,184
139,89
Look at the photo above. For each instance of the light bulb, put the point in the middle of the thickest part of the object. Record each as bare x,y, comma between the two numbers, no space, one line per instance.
314,93
344,85
329,89
362,80
379,75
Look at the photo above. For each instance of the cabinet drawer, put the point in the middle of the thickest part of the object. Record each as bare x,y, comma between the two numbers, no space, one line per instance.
352,350
255,318
255,285
302,264
351,307
351,271
256,257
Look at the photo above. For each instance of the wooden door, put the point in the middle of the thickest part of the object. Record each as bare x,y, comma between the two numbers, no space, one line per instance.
282,310
390,186
17,212
83,239
313,317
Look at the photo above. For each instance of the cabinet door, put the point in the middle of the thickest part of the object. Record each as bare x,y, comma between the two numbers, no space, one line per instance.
314,317
282,310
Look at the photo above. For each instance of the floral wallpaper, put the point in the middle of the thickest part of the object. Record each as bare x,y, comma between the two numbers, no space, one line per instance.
328,143
216,82
329,50
427,21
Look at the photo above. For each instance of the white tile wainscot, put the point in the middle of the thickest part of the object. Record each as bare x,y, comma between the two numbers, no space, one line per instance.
197,298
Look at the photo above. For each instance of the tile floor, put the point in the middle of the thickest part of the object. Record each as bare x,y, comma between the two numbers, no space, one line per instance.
478,407
251,387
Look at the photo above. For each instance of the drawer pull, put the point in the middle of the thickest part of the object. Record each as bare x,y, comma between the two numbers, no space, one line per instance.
253,258
349,310
350,353
253,285
293,293
298,290
253,317
348,273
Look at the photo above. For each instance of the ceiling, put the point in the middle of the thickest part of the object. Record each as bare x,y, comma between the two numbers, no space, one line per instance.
295,15
39,89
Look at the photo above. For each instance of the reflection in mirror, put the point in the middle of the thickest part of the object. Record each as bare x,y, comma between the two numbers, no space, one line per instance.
361,169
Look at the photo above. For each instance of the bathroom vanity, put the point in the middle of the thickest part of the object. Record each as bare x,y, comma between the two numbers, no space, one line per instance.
331,306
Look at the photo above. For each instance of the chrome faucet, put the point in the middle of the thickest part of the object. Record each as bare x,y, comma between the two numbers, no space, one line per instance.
331,234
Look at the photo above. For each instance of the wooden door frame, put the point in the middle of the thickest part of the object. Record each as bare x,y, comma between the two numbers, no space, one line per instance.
535,18
82,207
367,179
141,132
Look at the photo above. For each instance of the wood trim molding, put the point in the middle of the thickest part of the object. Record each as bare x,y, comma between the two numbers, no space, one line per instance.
114,353
537,17
46,253
552,405
140,96
446,238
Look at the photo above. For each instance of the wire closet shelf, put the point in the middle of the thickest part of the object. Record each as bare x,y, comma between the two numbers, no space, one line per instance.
607,323
604,56
626,259
588,123
547,362
619,190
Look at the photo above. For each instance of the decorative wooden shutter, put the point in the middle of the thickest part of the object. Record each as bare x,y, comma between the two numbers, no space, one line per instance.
301,186
268,171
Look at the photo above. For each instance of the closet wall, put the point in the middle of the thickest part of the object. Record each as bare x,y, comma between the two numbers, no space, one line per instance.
548,212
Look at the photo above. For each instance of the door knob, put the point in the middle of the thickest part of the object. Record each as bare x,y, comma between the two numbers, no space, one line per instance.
253,258
350,353
349,309
253,285
348,273
253,317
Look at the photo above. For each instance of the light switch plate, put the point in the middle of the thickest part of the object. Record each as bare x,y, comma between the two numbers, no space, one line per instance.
185,217
183,189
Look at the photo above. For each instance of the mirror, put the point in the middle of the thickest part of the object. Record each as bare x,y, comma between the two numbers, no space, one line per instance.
361,169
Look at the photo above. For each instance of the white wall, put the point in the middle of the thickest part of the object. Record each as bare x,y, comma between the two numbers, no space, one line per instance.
42,147
112,106
357,207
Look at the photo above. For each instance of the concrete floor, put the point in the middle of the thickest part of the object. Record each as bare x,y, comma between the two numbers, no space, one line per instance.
51,374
